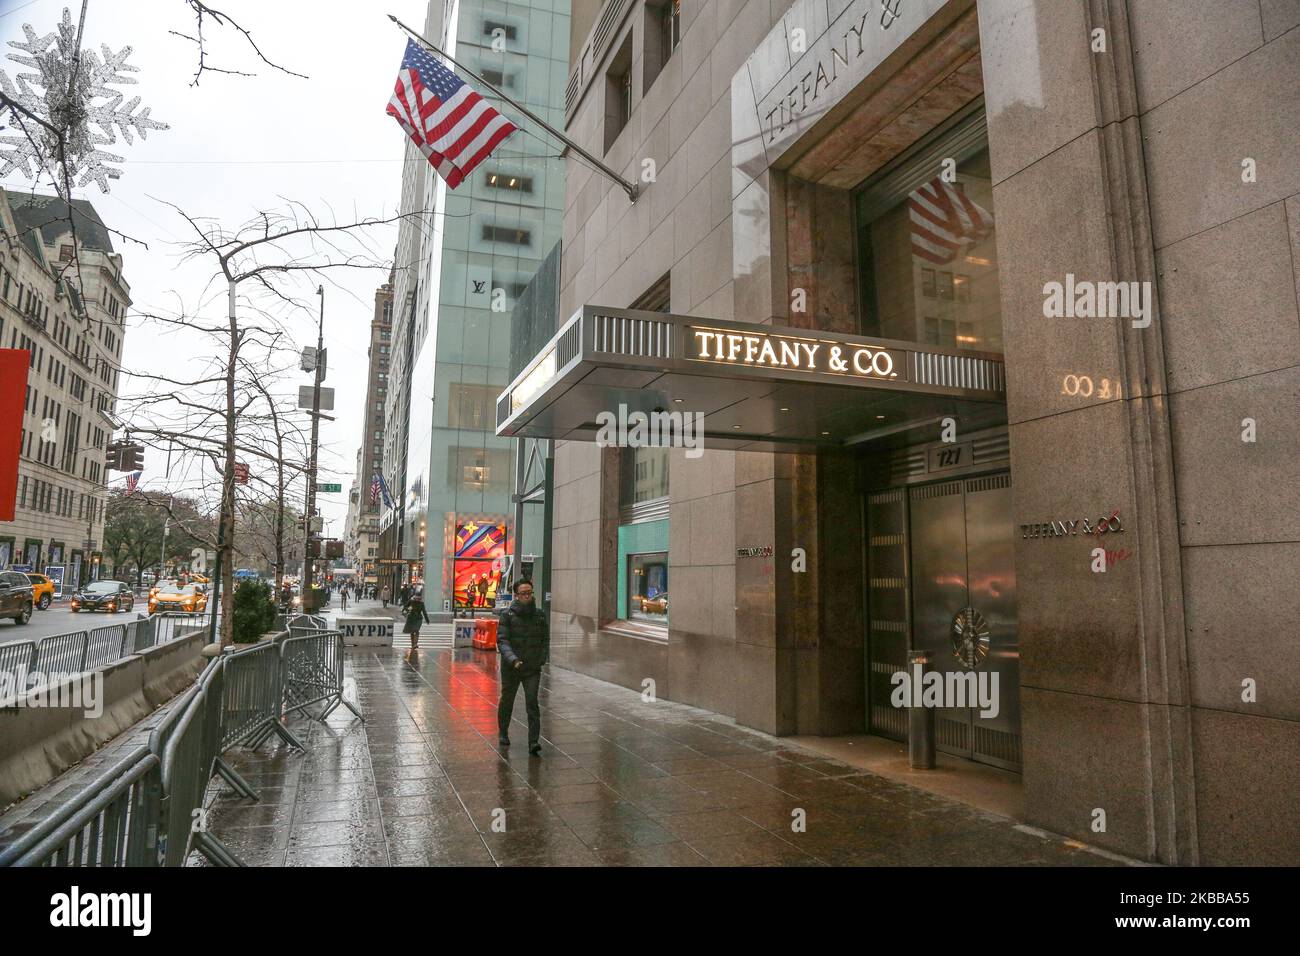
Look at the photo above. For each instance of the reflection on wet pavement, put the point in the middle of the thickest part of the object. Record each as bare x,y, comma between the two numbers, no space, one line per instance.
621,782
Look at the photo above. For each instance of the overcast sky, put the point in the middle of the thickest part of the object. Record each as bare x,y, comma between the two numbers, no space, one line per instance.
237,144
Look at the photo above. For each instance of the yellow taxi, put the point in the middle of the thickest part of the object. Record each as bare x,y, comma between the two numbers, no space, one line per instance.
164,584
42,590
178,597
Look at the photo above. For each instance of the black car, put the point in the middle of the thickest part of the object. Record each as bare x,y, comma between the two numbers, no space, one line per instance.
112,596
15,596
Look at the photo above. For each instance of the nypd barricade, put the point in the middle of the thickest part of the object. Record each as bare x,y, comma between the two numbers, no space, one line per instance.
366,631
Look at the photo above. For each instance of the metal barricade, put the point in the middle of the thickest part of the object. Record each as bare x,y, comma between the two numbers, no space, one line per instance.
171,625
110,823
16,662
104,645
312,669
142,638
61,653
189,743
253,694
141,811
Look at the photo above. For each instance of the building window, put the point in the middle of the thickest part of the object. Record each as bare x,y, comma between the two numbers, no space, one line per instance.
490,28
927,256
663,32
472,406
618,92
523,184
647,587
510,234
499,78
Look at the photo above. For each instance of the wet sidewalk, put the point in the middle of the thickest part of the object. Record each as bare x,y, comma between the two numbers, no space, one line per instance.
621,782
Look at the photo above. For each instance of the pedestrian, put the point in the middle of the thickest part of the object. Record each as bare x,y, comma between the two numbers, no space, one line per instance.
524,641
414,611
343,596
387,595
406,594
482,591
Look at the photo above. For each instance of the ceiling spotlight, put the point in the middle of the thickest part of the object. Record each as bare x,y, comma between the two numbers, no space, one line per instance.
880,418
735,426
677,401
785,409
825,433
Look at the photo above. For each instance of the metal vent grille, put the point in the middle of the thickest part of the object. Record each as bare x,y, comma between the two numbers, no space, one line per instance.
570,344
958,371
991,448
950,733
998,744
905,464
605,27
574,88
620,335
937,491
988,484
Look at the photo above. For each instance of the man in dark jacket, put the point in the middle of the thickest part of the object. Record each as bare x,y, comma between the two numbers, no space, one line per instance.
524,640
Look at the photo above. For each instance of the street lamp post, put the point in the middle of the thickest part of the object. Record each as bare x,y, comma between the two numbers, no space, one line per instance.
307,561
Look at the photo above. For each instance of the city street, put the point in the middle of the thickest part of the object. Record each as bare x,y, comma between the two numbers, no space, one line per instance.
58,619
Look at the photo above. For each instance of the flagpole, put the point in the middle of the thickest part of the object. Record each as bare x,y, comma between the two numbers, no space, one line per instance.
627,187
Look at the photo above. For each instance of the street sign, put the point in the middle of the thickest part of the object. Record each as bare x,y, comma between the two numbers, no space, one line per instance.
241,473
89,544
326,397
328,488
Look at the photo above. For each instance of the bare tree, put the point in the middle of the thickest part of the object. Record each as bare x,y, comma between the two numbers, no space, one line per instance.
220,410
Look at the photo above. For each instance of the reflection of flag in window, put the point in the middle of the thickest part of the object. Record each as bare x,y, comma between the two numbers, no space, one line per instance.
943,220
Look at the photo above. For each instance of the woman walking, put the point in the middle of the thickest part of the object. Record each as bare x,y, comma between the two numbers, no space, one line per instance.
414,611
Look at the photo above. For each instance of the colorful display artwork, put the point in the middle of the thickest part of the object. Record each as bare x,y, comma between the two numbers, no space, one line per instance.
478,545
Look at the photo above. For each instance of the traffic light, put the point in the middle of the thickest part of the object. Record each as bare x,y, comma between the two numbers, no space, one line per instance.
334,549
313,547
113,457
132,457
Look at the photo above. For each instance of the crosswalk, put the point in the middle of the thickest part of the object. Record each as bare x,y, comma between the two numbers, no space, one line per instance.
431,635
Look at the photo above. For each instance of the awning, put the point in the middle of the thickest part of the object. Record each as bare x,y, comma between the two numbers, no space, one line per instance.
757,387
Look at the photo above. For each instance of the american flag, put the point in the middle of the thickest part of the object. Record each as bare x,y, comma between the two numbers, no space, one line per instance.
944,220
374,489
132,480
454,127
383,490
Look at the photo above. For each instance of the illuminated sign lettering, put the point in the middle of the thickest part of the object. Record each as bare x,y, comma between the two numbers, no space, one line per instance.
764,350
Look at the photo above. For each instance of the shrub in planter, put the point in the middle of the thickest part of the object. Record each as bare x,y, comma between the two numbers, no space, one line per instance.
254,611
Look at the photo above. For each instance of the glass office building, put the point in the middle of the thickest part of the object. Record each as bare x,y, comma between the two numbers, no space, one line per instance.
461,271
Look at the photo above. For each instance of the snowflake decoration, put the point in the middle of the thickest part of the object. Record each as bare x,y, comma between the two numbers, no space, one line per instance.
74,98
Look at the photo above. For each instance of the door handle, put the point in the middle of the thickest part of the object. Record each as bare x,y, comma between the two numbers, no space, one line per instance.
970,637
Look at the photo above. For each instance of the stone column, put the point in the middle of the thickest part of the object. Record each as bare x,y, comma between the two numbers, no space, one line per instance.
1106,722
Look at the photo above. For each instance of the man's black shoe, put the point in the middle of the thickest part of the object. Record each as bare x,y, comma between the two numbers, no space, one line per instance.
535,750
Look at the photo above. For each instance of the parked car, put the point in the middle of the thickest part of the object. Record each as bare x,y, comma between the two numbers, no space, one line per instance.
111,596
42,590
15,596
187,598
